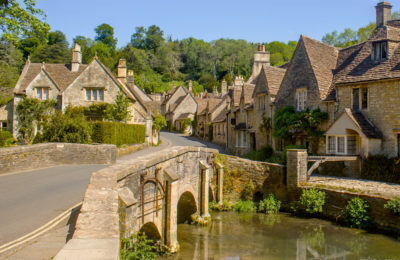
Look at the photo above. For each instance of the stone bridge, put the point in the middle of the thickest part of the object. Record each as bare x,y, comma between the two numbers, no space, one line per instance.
165,189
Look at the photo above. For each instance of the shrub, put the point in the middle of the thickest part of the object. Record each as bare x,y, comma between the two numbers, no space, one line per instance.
159,122
225,206
312,200
118,133
244,206
137,247
269,205
381,168
393,205
284,152
6,139
186,123
261,154
68,128
248,192
356,213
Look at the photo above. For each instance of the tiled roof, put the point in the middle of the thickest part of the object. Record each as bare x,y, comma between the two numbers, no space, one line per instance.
247,93
201,105
183,116
173,106
213,104
221,117
235,94
60,74
269,80
323,60
363,68
366,126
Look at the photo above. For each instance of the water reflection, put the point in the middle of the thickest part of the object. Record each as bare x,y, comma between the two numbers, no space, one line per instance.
259,236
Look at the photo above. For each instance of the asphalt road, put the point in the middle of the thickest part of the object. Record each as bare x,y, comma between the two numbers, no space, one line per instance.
30,199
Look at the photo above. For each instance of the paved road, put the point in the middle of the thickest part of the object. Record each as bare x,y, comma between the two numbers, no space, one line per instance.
29,200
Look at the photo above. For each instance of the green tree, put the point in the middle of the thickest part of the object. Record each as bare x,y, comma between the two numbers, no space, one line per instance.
138,39
105,34
154,37
29,45
56,50
18,22
119,111
31,113
11,62
159,122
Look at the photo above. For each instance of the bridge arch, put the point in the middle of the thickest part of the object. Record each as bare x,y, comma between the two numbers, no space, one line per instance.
186,207
151,231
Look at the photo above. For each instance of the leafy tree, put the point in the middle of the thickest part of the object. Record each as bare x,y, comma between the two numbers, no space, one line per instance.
159,122
86,45
11,61
105,34
138,39
31,113
119,111
154,38
18,22
29,45
56,50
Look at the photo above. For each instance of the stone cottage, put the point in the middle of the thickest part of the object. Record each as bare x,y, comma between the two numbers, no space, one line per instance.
78,84
367,94
178,106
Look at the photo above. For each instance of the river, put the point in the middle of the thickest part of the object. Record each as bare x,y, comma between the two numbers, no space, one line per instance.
244,236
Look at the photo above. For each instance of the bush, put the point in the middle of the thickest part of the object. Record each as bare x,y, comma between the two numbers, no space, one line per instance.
137,247
6,139
381,168
67,128
269,205
284,152
312,200
225,206
186,123
244,206
356,213
118,133
393,205
261,154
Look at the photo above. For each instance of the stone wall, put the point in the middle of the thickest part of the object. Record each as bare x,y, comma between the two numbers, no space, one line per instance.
29,157
266,177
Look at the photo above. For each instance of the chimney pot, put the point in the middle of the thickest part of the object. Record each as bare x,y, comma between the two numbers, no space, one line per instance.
130,79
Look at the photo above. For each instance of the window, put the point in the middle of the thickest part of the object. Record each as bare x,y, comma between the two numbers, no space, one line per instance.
42,93
3,126
380,51
331,144
261,103
301,99
94,94
351,145
360,100
340,144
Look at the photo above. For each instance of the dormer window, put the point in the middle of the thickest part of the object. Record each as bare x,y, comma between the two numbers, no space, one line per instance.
380,51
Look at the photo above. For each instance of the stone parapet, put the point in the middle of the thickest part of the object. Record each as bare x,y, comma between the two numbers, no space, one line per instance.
35,156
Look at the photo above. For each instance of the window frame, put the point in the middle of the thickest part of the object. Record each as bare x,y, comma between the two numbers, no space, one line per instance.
336,145
378,48
99,92
360,102
301,99
42,91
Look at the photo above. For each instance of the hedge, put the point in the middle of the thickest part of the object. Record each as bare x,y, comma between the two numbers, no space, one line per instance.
118,133
381,168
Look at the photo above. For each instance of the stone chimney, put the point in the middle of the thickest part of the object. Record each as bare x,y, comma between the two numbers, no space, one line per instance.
261,57
224,87
238,81
130,79
215,90
76,58
383,13
190,86
121,70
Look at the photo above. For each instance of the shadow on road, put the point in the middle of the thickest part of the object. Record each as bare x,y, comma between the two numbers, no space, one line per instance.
72,222
205,143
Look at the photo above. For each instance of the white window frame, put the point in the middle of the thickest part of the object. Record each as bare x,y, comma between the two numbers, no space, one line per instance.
337,144
301,99
42,91
90,97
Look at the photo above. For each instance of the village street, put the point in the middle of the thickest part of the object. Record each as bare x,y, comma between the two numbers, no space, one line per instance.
32,198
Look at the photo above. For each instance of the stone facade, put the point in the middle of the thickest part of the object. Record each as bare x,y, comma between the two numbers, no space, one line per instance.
20,158
5,116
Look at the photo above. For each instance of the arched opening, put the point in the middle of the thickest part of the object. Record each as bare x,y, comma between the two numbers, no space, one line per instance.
258,196
186,207
210,194
151,231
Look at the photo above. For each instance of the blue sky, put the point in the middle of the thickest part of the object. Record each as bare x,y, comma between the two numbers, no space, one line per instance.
252,20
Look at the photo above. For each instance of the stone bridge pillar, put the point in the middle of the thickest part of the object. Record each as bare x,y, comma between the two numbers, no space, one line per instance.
171,211
220,183
296,167
204,187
